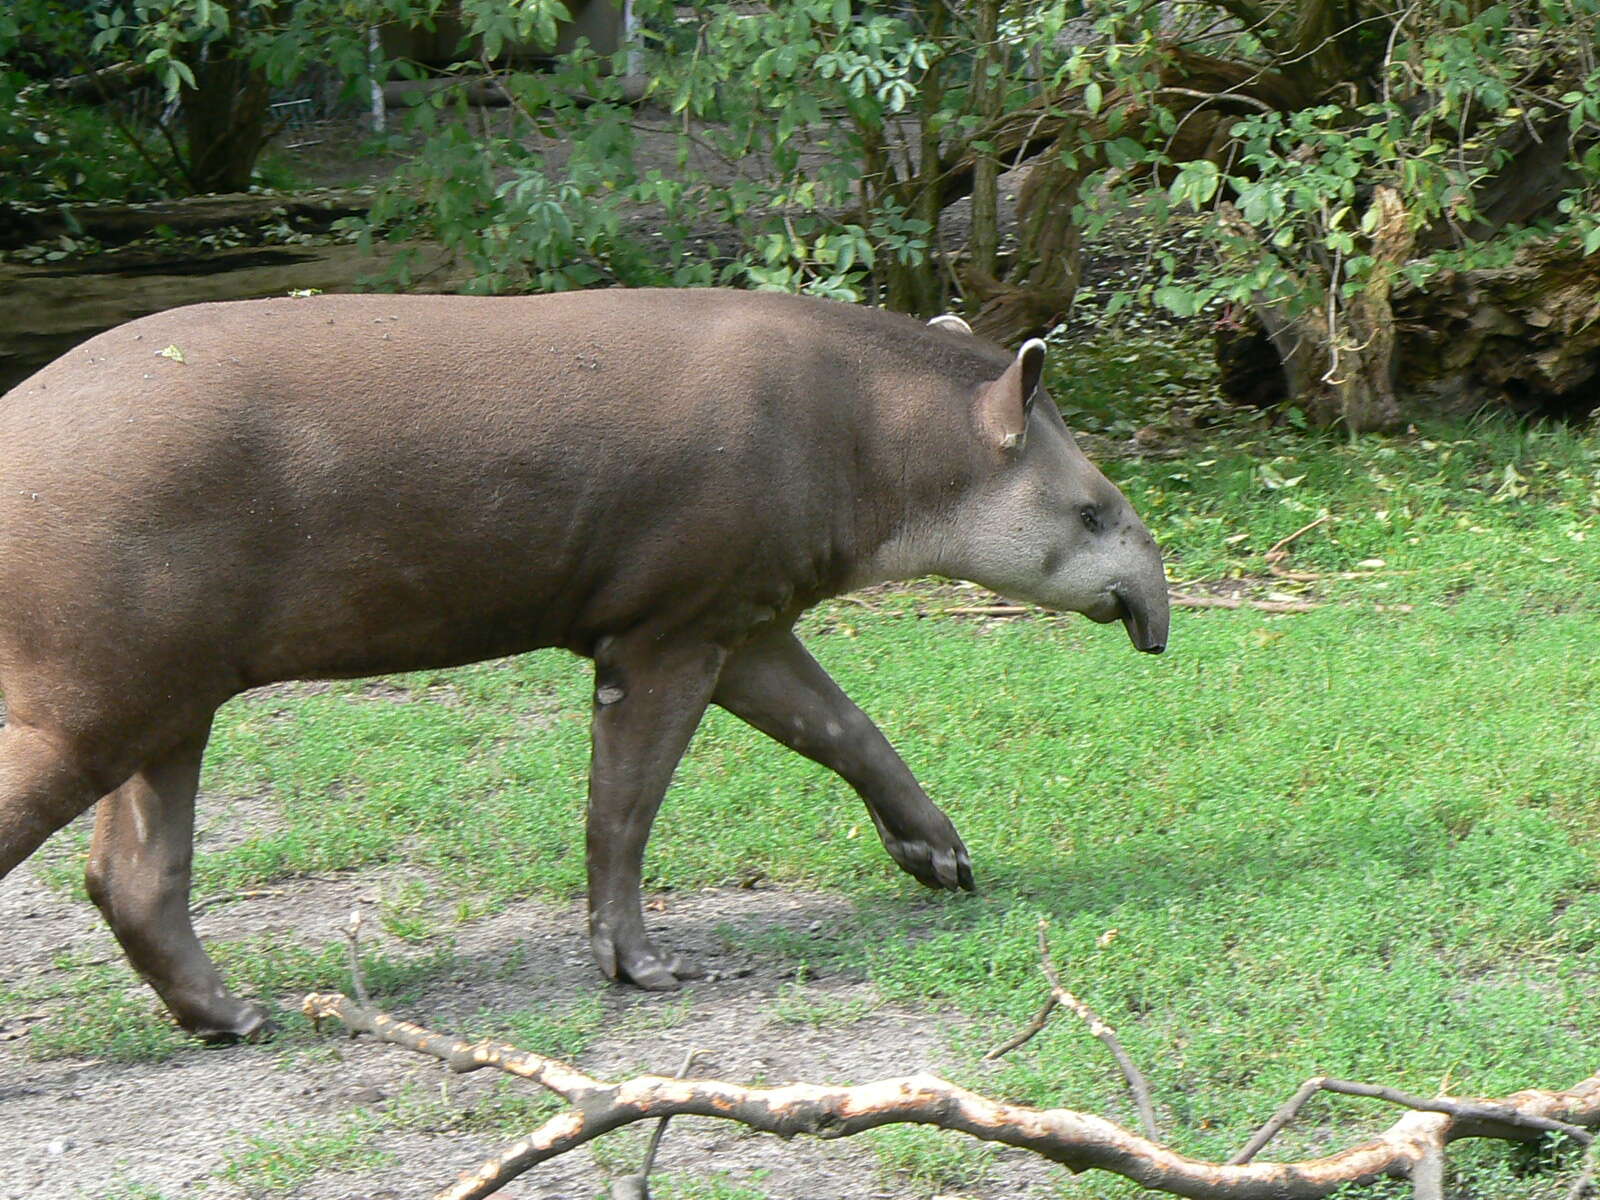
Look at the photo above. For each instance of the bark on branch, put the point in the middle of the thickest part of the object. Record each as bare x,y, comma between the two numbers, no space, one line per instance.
1411,1148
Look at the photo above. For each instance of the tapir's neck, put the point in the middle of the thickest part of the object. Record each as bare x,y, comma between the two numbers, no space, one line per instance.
910,553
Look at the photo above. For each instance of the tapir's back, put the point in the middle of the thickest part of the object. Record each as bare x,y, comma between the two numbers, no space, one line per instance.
348,485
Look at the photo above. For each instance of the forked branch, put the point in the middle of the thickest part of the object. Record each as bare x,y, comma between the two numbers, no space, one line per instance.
1411,1148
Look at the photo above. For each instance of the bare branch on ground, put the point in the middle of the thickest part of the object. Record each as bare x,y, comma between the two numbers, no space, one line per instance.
1412,1148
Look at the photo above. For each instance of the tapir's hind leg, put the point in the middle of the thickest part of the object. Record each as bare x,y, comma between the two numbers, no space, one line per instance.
773,683
139,877
648,700
44,783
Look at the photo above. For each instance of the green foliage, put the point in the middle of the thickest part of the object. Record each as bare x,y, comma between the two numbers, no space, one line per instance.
53,152
780,115
1433,101
716,1185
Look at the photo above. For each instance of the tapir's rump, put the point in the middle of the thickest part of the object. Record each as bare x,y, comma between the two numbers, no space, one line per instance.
225,495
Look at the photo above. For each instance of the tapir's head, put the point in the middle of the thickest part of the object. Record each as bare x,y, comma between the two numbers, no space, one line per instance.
1038,521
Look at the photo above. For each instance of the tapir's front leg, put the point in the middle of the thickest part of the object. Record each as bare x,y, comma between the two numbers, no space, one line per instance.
648,699
773,683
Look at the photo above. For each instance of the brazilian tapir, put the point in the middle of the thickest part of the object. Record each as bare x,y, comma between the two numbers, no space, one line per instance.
221,496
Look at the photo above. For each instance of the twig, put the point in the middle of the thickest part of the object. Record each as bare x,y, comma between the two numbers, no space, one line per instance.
1585,1181
1136,1082
1487,1113
1427,1175
1214,97
460,1056
1040,1020
1276,550
1079,1141
985,610
352,933
637,1185
1286,1113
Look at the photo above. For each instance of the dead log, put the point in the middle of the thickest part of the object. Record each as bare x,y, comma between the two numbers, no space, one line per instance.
1412,1148
45,311
118,224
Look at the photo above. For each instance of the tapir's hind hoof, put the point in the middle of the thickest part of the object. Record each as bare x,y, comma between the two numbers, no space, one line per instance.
641,964
252,1024
654,975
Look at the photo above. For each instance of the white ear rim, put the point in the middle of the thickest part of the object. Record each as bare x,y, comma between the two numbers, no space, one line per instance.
1033,346
951,324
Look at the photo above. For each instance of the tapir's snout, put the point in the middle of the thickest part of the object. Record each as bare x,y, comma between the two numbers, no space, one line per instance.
1146,618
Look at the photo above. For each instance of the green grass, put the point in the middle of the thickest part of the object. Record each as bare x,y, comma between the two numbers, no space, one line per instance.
1359,841
283,1160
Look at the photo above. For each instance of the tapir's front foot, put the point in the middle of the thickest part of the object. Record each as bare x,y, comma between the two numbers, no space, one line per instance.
935,855
633,958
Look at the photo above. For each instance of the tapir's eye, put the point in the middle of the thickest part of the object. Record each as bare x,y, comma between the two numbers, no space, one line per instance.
1090,516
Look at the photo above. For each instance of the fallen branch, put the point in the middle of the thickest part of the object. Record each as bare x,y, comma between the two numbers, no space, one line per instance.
1184,600
986,610
1410,1148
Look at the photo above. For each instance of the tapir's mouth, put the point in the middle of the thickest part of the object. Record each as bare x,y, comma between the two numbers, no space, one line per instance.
1141,629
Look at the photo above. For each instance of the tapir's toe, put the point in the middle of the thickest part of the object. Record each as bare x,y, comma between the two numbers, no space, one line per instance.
654,974
954,869
946,867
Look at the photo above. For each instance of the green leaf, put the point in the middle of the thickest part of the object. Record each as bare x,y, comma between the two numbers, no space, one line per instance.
1179,301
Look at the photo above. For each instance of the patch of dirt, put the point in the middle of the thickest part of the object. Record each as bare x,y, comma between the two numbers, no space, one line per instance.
79,1127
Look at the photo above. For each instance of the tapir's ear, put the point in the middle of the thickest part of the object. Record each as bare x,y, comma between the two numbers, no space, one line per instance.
1003,405
952,323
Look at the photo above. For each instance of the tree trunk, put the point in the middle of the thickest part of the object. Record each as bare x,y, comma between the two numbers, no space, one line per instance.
988,99
225,120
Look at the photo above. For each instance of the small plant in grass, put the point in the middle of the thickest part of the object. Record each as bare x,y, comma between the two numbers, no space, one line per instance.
106,1019
564,1033
620,1153
130,1189
509,1108
405,911
284,1159
930,1160
717,1185
796,1005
